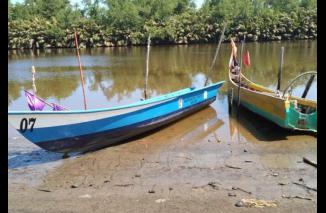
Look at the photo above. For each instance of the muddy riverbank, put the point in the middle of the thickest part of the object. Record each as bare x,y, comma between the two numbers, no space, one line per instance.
201,163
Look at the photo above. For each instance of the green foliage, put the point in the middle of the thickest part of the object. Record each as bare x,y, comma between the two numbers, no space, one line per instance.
51,23
308,4
93,10
227,10
124,15
283,5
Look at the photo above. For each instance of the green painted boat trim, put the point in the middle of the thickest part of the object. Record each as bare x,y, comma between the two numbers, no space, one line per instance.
292,118
308,121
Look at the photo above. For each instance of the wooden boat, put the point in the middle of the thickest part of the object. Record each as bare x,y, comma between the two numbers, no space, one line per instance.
84,130
285,110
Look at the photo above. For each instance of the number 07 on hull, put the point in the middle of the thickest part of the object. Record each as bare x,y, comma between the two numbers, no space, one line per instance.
84,130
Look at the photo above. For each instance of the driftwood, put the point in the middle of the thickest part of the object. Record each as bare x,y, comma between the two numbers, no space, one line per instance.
124,185
237,188
307,187
44,190
195,167
233,167
299,197
188,158
212,184
306,160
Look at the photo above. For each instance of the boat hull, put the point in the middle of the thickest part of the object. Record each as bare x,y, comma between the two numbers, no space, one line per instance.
79,131
110,137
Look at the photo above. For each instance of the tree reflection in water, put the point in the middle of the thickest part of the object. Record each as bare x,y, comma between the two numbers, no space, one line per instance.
116,75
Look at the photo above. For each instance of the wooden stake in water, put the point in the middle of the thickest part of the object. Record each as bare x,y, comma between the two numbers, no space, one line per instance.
279,75
308,85
216,53
242,44
33,79
81,70
33,85
147,65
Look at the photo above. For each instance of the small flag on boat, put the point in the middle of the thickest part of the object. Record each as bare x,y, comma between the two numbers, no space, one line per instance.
246,59
34,103
57,107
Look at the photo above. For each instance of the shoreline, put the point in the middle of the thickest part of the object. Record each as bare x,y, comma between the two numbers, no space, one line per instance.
157,45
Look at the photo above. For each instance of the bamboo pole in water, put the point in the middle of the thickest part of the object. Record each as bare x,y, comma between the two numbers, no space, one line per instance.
215,56
242,45
308,85
33,79
81,70
279,75
147,66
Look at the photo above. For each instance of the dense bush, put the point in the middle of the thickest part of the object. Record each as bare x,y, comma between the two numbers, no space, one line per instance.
37,23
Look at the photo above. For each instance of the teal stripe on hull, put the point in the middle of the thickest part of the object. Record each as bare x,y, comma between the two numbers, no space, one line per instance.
309,120
291,118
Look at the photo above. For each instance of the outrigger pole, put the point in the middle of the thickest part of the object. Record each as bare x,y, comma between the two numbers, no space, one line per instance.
147,65
80,69
216,53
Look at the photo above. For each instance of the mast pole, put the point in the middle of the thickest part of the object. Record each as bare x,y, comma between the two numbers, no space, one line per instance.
147,66
216,53
80,69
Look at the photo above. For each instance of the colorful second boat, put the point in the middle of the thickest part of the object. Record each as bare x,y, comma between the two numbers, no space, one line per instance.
283,109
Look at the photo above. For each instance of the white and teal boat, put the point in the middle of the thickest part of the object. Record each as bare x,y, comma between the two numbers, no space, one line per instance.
84,130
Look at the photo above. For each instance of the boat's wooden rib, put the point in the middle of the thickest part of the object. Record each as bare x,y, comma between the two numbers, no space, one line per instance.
70,131
288,112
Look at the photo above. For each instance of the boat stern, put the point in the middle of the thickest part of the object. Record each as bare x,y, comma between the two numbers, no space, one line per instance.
301,121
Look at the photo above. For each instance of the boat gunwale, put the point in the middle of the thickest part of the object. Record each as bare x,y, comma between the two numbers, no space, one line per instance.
157,99
272,95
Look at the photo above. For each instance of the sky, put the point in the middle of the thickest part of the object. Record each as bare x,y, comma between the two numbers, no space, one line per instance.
198,2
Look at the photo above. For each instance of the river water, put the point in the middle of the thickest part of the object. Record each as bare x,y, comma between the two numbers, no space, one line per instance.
115,76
